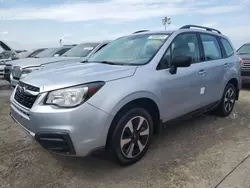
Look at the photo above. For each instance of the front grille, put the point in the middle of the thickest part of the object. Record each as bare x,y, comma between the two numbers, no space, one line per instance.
246,64
29,87
24,98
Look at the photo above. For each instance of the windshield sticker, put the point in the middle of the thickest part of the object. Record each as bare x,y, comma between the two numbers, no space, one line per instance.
158,37
88,48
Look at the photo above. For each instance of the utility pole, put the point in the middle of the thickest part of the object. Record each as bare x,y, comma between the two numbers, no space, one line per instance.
166,21
60,42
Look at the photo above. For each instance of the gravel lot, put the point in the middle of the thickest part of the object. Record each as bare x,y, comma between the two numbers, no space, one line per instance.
194,153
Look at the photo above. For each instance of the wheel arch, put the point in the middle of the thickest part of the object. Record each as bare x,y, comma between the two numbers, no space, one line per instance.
148,102
236,83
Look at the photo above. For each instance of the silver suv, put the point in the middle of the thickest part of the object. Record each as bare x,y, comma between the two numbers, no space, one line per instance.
123,93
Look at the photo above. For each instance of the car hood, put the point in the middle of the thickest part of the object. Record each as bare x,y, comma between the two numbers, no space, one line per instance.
244,56
64,63
78,73
29,62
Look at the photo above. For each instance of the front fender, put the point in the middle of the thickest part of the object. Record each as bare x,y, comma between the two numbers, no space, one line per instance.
133,96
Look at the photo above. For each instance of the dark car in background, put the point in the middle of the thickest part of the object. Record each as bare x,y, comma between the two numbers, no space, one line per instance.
244,54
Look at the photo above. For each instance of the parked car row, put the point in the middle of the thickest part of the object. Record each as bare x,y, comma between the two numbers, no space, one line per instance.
244,53
115,95
14,70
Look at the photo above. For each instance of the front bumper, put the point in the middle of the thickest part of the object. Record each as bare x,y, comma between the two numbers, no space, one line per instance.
245,76
6,73
86,127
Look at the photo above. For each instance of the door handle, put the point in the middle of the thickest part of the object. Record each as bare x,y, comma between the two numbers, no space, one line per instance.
202,73
226,65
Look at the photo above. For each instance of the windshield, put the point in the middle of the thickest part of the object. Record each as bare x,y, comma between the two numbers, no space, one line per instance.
245,49
131,50
46,53
82,50
36,52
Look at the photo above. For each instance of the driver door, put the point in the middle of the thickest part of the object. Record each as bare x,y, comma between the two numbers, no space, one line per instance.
182,92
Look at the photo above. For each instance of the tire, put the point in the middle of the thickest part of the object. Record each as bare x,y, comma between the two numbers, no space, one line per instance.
226,104
128,146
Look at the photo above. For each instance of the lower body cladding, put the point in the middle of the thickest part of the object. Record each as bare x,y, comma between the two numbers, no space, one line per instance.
79,131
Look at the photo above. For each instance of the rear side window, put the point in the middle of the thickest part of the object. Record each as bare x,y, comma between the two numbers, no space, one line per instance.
227,47
211,47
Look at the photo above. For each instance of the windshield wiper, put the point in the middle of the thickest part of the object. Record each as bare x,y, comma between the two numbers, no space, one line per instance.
108,62
85,61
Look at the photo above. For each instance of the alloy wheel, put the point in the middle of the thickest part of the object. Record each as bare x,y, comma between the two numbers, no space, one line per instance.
135,136
229,100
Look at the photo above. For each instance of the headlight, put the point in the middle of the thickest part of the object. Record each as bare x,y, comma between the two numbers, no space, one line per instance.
30,69
72,96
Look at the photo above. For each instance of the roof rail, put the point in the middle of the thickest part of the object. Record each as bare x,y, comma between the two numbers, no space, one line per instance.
140,31
201,27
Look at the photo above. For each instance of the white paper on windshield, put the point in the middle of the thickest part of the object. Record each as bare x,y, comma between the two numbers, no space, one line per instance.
88,48
158,37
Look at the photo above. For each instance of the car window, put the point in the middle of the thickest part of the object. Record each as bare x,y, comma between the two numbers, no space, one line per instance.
46,53
211,47
62,51
131,50
81,50
227,46
182,45
36,52
186,45
245,49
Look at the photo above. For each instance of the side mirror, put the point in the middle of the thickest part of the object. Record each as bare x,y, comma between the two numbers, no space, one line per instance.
56,55
180,61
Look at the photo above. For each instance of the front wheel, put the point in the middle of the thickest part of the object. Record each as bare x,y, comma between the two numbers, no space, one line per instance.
227,102
132,136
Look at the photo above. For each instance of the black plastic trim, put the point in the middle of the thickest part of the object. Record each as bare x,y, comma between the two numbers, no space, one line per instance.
201,27
57,142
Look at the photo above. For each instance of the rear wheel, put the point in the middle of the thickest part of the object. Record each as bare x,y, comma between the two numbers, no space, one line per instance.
131,137
227,102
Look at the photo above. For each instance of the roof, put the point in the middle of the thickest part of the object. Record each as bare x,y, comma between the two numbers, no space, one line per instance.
153,32
194,28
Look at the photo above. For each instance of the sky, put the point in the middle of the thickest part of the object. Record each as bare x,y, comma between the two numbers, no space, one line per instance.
27,24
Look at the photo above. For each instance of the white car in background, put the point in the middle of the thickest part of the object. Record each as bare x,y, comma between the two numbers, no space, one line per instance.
6,54
21,68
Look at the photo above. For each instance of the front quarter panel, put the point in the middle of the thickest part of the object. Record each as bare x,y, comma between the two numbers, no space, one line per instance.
117,93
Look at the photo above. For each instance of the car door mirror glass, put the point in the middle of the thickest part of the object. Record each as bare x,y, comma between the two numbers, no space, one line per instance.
182,61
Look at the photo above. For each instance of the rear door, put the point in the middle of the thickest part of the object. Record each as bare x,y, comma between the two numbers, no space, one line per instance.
214,66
